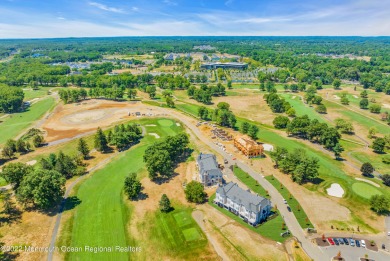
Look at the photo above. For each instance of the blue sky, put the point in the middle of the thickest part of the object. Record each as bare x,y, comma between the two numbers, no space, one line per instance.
87,18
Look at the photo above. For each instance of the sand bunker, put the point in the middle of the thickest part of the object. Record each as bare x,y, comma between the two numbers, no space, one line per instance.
355,96
31,163
268,147
86,116
335,190
368,181
155,135
177,124
150,125
336,97
293,97
387,106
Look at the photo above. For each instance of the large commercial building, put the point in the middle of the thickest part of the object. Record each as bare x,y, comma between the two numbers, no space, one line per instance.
252,208
230,65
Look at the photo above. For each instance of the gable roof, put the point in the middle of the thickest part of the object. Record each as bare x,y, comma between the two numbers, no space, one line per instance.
208,164
252,202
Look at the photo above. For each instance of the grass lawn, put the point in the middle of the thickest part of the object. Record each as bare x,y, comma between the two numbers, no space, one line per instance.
188,108
32,94
270,229
17,122
300,108
249,181
365,190
176,233
101,217
296,208
374,159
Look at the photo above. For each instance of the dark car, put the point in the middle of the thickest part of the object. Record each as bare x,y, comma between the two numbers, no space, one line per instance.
336,241
346,241
357,243
341,241
383,246
288,208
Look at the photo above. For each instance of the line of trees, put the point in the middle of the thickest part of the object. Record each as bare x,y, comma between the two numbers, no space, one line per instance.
314,131
161,157
11,98
301,167
23,144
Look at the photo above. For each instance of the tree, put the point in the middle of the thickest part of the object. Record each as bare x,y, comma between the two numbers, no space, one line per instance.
100,141
337,150
165,204
367,169
375,108
195,192
41,188
132,93
8,152
252,132
151,90
14,173
170,102
158,163
344,126
380,203
38,140
245,127
372,132
336,83
379,145
229,84
82,147
321,109
223,106
363,103
203,113
132,186
11,98
364,94
291,112
386,179
8,205
344,100
281,122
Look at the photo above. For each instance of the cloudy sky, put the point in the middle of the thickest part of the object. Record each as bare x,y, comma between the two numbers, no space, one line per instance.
87,18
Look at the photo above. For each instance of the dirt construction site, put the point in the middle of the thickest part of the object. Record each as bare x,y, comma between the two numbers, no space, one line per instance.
70,120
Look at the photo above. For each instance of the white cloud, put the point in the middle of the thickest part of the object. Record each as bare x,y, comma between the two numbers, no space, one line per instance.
61,18
229,2
169,2
106,8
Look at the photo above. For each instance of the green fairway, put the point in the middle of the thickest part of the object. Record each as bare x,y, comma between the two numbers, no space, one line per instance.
300,108
365,190
17,122
101,217
191,234
30,94
270,229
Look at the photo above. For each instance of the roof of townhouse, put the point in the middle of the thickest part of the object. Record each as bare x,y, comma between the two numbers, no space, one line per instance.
207,162
244,197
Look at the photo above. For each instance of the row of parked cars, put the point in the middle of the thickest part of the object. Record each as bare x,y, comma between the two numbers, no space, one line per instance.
346,241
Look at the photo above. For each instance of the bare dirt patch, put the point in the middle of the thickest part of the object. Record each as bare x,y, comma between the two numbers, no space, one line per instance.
72,119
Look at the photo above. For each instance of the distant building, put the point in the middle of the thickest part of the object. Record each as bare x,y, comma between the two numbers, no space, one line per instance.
252,208
230,65
204,47
215,57
248,147
209,172
171,56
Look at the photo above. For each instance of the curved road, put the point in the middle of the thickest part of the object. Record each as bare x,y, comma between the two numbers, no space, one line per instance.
311,249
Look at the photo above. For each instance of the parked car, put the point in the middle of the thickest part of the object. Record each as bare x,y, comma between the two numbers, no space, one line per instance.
341,241
288,208
285,201
363,243
383,246
336,241
357,242
226,161
352,242
330,241
346,241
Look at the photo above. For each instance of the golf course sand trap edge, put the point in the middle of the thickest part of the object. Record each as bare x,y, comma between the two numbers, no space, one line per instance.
369,182
155,135
335,190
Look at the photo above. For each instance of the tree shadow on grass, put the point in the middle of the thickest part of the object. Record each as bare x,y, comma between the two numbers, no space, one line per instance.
14,216
161,180
317,181
141,196
70,203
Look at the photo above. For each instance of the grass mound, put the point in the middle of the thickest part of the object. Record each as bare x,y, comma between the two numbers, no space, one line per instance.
365,190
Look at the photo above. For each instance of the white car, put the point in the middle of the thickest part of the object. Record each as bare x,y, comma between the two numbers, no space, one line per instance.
363,243
285,201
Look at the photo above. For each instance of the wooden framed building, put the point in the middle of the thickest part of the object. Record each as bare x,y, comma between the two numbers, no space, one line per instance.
248,147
